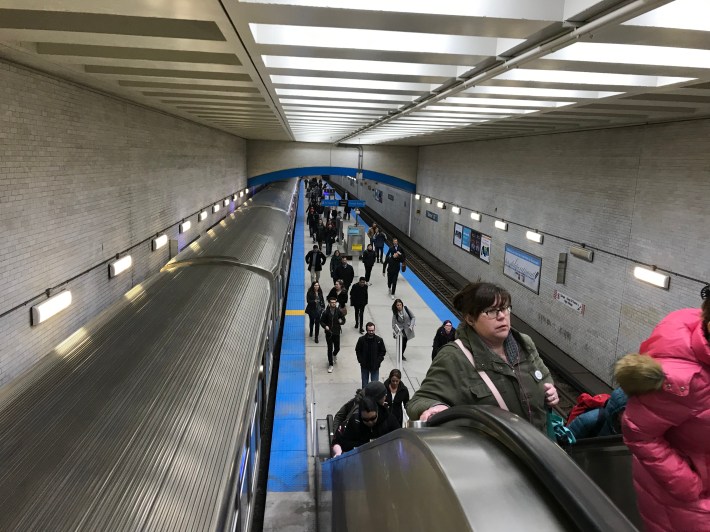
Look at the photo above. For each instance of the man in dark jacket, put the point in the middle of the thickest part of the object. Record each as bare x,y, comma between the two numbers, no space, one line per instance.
331,321
370,350
358,299
368,423
345,272
315,260
368,260
393,263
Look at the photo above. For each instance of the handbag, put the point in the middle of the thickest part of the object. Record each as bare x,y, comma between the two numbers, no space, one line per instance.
344,311
404,267
556,429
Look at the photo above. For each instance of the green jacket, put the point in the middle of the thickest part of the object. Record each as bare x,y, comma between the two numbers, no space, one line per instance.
453,381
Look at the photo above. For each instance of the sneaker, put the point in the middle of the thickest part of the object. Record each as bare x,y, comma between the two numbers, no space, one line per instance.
362,331
316,339
330,369
356,325
391,296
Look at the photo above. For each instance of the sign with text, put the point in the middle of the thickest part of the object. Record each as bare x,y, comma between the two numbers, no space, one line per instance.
329,203
569,302
522,267
357,204
432,216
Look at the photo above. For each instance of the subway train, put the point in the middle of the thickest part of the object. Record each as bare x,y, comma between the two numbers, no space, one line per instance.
150,416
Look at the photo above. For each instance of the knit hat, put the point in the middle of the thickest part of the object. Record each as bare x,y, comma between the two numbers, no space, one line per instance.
447,322
375,389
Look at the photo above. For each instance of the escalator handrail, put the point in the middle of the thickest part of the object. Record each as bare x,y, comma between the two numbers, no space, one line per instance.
585,504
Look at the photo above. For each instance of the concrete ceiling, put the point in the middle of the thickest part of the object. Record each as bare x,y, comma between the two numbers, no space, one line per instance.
403,72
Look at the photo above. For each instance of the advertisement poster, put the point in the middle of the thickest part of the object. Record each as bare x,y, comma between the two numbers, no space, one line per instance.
378,195
458,229
522,267
485,254
475,248
466,239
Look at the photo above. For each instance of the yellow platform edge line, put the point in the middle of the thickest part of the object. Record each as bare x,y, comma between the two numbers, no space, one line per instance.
295,313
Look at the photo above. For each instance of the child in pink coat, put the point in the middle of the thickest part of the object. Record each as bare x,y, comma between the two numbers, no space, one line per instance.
667,421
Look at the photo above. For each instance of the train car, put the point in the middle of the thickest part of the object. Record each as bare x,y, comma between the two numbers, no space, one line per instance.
149,417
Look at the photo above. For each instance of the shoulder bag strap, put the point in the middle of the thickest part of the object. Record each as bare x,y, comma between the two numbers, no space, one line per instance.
484,376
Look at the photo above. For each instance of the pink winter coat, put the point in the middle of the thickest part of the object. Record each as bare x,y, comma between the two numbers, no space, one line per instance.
668,431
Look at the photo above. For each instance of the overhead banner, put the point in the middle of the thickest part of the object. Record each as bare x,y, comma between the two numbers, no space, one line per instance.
522,267
473,242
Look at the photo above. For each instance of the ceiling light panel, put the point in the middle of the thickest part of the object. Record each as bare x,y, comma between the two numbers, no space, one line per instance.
588,78
691,15
343,94
351,83
362,66
634,54
540,92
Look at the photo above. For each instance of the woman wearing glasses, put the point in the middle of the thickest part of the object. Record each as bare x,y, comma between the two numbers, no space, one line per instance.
508,371
368,423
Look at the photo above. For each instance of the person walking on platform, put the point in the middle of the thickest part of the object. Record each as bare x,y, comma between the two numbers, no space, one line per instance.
397,395
314,307
517,378
332,320
358,299
345,272
370,350
315,260
313,219
335,260
320,234
403,322
368,423
396,248
371,233
368,259
379,242
443,336
392,265
331,234
341,295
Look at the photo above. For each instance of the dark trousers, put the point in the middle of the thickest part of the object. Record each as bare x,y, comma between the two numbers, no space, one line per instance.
392,281
368,271
378,253
333,341
360,317
328,246
314,322
369,375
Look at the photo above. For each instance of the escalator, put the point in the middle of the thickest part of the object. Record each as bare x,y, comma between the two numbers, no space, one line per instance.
470,468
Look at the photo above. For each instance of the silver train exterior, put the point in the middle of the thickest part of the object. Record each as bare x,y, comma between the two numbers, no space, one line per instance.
149,417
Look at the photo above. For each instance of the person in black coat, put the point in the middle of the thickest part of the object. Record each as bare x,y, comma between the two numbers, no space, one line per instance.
315,260
444,334
397,395
314,307
368,260
358,299
367,424
320,233
370,350
340,294
345,272
332,320
392,265
331,234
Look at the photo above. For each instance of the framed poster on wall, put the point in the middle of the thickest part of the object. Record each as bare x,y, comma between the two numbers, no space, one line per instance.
485,253
522,267
466,239
458,230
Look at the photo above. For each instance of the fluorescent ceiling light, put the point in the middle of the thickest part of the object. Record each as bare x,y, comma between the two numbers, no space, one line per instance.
362,66
117,267
500,224
681,14
475,216
50,307
380,40
427,200
417,196
351,83
440,204
215,207
470,103
159,242
343,94
549,11
456,210
337,103
226,201
185,226
543,93
588,78
652,277
634,54
534,236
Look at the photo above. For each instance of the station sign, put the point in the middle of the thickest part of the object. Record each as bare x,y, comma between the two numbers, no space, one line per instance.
358,204
329,203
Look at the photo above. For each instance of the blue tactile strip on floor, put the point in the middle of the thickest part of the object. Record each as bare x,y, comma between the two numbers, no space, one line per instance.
288,466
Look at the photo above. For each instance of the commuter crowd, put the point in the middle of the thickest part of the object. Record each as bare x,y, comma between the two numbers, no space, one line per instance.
662,404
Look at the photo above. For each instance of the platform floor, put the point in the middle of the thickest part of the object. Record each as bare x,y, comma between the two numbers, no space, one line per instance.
288,511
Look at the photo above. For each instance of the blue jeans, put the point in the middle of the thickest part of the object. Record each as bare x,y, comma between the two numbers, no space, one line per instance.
369,375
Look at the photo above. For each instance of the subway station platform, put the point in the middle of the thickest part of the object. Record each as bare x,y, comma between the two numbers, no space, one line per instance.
290,503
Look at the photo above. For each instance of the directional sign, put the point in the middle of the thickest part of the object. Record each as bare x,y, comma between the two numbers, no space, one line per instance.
358,204
329,202
342,203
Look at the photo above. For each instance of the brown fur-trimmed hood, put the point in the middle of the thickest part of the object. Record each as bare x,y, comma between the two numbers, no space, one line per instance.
639,374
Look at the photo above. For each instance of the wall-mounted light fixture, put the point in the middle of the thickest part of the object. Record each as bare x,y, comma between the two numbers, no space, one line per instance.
226,202
159,242
50,307
652,276
215,207
440,204
500,224
417,196
202,216
582,253
476,216
185,226
234,197
427,200
241,194
118,266
534,236
456,210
